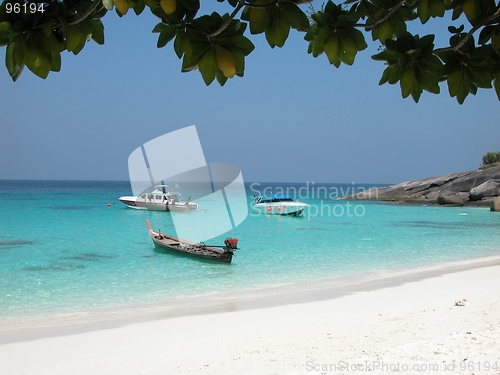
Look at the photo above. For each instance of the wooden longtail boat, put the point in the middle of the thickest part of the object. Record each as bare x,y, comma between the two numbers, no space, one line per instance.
179,246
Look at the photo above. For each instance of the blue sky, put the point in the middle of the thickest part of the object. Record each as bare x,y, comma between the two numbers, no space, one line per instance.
292,118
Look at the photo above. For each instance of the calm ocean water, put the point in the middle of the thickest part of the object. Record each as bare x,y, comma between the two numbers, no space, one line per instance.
63,250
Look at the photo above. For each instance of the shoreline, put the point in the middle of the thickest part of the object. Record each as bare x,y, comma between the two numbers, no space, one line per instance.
410,328
31,328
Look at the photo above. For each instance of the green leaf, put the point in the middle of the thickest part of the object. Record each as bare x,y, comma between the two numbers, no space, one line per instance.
385,76
416,91
108,4
294,16
436,8
317,48
166,35
497,85
358,37
394,74
240,61
74,37
332,50
428,80
51,44
221,78
486,34
260,19
178,42
191,5
80,45
423,11
197,51
407,81
459,84
381,56
399,26
56,62
241,42
277,33
454,81
11,64
39,62
86,27
47,27
385,31
208,66
4,33
159,27
480,77
139,8
97,31
350,50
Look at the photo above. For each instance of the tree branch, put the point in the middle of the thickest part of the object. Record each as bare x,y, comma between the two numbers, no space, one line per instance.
262,6
238,7
80,17
223,27
273,3
85,14
464,40
367,8
385,17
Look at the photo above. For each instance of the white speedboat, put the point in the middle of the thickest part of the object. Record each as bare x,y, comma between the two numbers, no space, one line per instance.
159,200
279,205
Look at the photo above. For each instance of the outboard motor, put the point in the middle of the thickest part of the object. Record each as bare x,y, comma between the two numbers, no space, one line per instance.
231,243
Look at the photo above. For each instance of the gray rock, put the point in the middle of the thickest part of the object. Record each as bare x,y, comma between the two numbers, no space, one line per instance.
495,204
472,187
453,199
490,188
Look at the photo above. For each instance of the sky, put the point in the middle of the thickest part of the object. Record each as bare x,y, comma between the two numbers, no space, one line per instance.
291,118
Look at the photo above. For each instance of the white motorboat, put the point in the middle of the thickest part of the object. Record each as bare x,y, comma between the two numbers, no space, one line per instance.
279,205
159,200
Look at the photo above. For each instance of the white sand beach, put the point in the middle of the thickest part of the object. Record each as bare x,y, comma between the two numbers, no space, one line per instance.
412,328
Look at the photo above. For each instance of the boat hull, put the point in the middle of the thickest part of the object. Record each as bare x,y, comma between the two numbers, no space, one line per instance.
179,246
138,204
133,202
280,208
222,258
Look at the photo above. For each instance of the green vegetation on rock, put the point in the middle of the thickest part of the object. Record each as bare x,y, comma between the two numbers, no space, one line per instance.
491,158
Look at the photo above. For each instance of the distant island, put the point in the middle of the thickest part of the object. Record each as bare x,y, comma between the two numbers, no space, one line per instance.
473,188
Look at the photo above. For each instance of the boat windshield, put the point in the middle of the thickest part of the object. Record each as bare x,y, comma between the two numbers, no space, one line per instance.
274,200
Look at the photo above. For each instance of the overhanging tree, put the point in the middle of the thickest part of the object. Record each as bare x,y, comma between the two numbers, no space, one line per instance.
36,32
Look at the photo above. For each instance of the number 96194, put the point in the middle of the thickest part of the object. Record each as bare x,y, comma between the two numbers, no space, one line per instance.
24,8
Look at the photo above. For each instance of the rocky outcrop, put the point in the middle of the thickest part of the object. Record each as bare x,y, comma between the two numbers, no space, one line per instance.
477,187
490,188
495,204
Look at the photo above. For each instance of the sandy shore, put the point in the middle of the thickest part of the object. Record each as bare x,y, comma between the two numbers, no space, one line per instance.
412,328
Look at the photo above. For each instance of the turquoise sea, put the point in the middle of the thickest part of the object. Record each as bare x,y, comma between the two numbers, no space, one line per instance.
64,252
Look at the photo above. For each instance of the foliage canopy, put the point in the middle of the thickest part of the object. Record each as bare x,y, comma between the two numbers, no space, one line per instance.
491,158
35,32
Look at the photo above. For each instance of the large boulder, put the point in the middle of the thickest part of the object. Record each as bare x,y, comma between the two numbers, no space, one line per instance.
495,204
452,199
490,188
